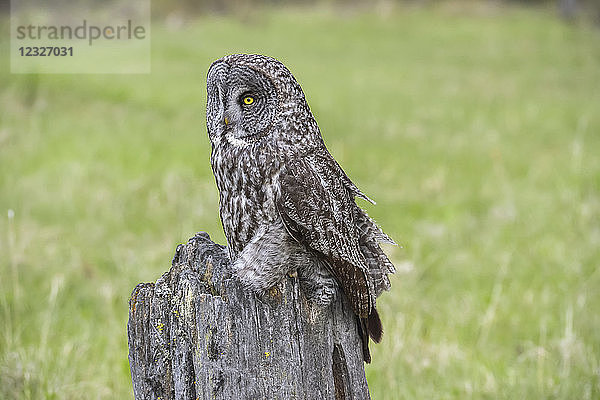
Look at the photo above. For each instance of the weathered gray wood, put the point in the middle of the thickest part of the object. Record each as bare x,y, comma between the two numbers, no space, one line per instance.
196,334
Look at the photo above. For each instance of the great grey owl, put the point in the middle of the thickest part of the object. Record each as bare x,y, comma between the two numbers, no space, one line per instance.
285,204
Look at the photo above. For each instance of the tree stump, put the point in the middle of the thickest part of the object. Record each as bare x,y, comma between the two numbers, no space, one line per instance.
197,334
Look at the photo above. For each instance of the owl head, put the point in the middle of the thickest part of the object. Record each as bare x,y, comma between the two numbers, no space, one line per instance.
250,96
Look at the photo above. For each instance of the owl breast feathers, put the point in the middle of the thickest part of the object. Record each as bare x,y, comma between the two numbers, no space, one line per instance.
285,204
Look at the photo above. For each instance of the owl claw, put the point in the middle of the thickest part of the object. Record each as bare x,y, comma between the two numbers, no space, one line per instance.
323,297
237,265
252,279
249,278
321,294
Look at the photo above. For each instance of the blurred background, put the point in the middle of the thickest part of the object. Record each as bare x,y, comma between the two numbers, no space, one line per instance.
473,124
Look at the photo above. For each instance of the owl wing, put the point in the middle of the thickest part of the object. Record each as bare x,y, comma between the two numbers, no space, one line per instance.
319,211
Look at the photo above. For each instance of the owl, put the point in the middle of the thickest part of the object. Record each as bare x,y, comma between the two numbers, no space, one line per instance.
286,205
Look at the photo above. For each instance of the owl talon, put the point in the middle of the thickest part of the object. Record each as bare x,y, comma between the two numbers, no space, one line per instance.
321,292
323,297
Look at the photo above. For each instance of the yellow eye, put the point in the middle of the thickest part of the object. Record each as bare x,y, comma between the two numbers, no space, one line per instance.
248,100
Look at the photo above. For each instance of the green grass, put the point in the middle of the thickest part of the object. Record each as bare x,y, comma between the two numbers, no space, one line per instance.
477,134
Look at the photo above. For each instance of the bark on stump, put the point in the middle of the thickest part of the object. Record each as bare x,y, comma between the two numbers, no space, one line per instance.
196,334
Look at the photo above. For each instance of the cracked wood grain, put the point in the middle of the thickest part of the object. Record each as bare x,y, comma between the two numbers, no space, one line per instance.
196,334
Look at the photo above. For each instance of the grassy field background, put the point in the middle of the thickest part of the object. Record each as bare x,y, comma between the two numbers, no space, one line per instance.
477,131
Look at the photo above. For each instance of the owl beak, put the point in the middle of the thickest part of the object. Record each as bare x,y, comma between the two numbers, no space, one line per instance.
227,118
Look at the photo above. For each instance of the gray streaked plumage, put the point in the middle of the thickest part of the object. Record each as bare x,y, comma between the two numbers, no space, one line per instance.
285,204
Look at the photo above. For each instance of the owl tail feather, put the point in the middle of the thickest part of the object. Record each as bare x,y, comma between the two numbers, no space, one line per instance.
374,326
370,327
